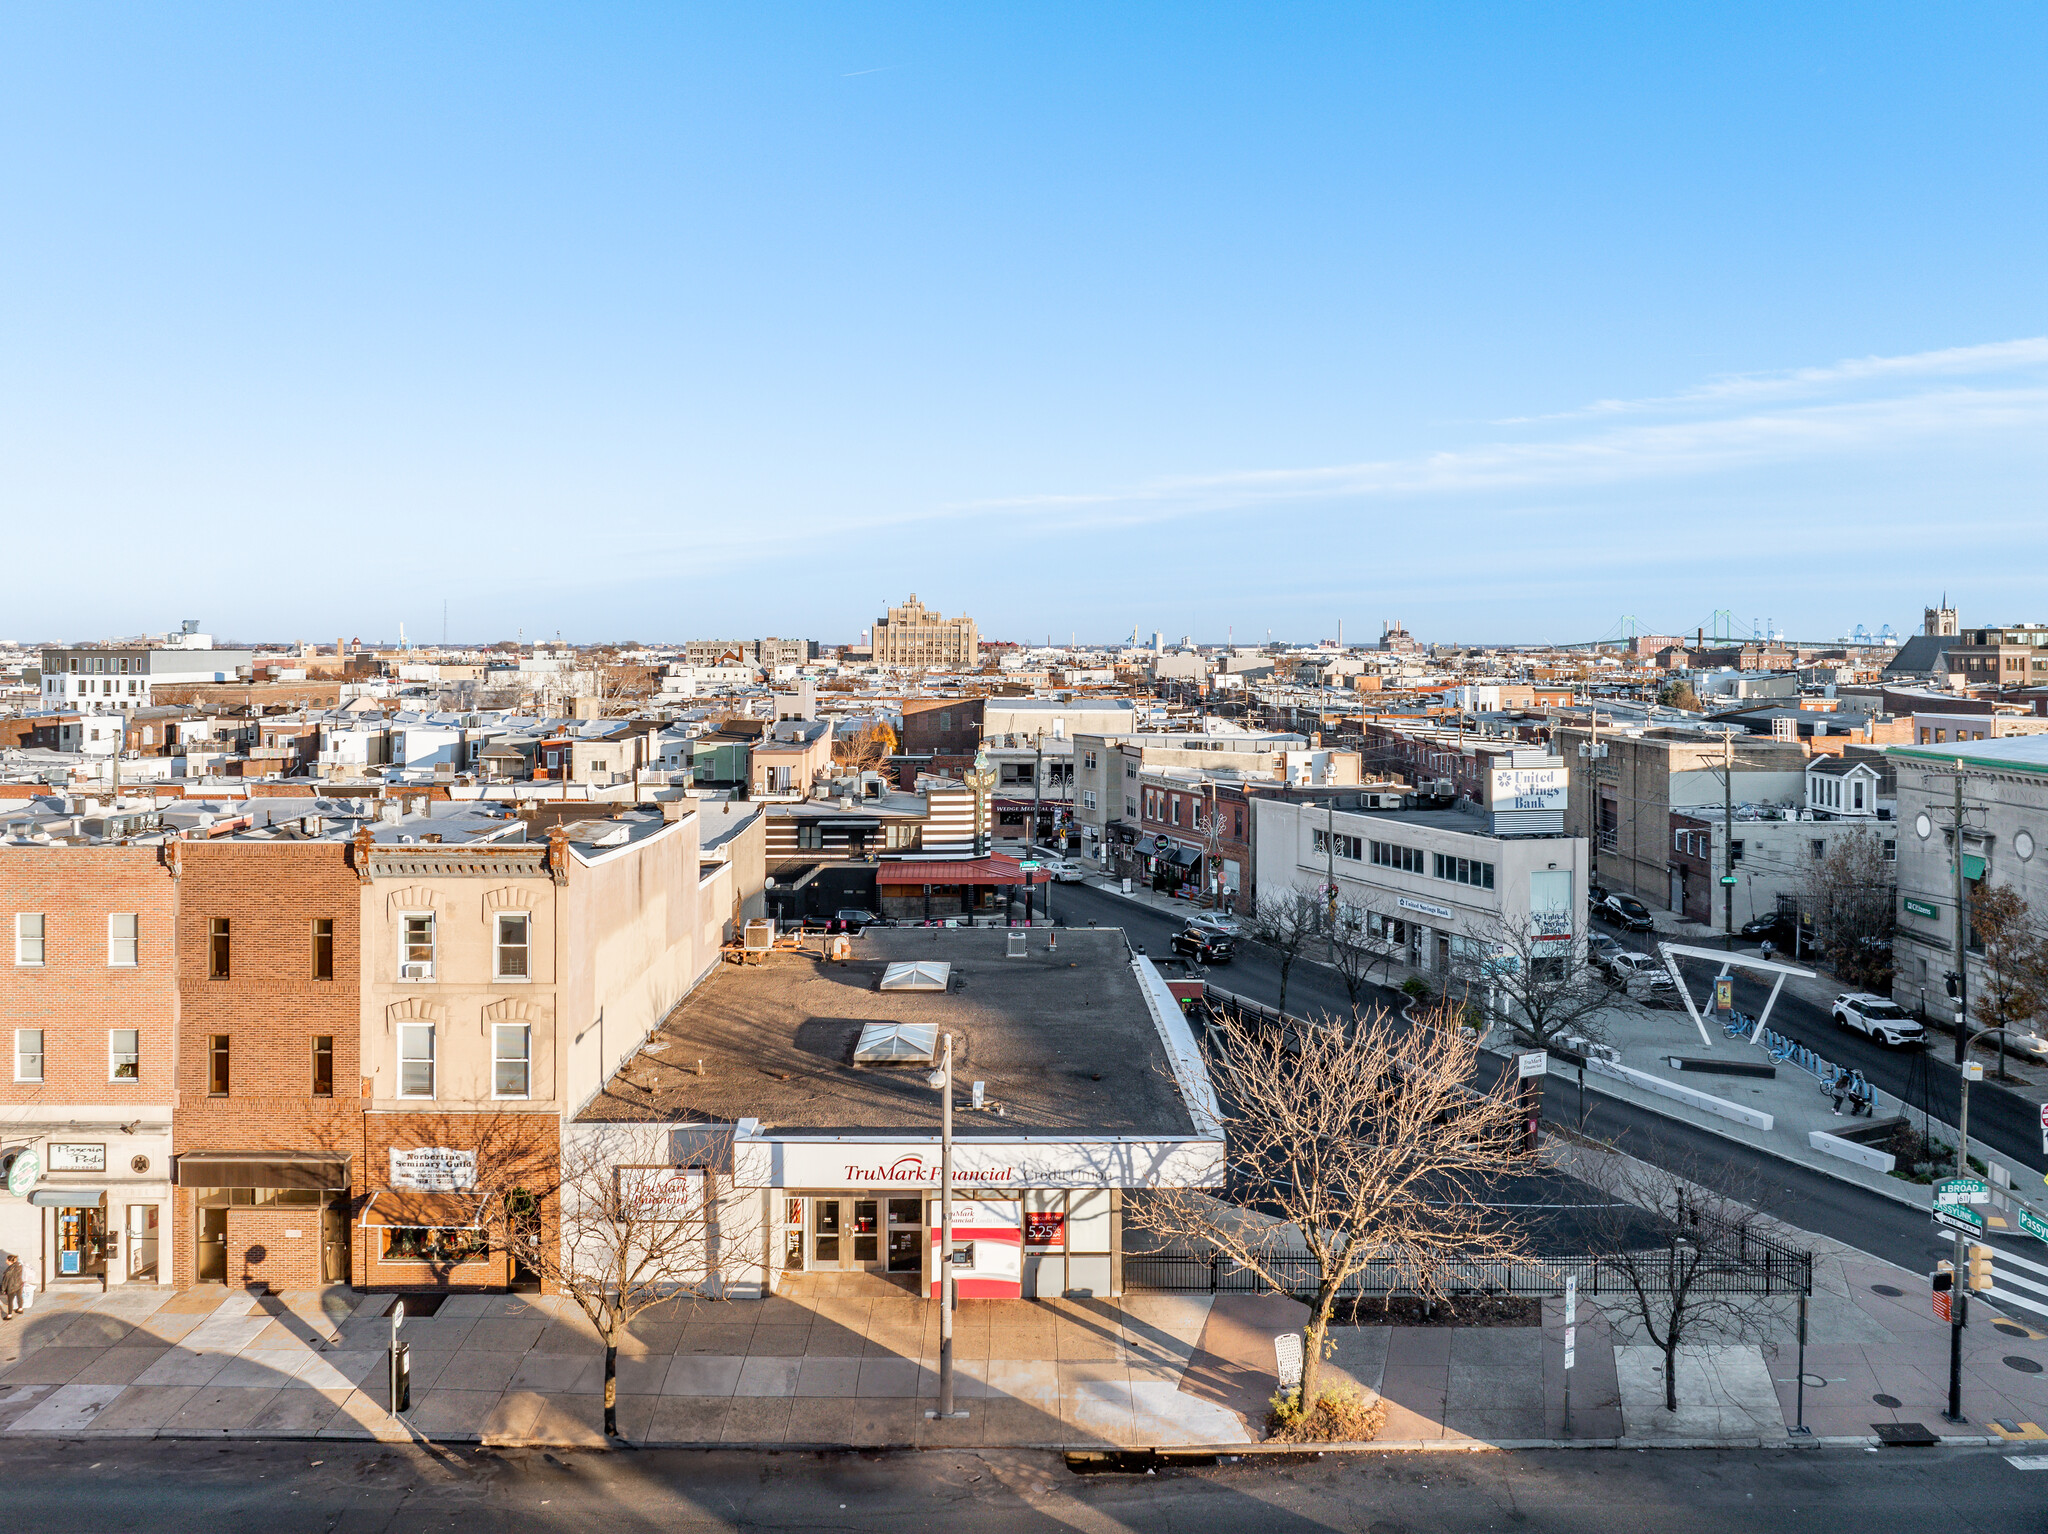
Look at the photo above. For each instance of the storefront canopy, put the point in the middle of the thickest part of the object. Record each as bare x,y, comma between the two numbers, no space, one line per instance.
66,1198
997,870
262,1169
411,1209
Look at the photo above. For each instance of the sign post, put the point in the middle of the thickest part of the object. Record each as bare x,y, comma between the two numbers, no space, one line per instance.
1571,1345
401,1364
1530,1069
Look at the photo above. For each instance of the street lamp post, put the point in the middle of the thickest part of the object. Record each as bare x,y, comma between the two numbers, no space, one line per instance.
1958,1302
942,1080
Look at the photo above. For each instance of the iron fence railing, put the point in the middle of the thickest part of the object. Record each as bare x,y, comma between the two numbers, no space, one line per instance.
1765,1267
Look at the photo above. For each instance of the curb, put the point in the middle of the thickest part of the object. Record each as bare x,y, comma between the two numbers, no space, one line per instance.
1084,1446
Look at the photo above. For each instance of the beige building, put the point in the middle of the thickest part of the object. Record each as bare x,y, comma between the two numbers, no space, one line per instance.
914,635
502,983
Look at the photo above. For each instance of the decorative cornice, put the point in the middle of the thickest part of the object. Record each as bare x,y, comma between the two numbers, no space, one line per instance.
414,1007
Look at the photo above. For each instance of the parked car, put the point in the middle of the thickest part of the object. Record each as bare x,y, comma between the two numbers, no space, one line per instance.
1222,926
1063,870
857,919
1600,948
1775,927
1879,1017
1637,972
1203,946
1625,911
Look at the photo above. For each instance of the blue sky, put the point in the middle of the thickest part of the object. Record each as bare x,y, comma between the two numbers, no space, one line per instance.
661,322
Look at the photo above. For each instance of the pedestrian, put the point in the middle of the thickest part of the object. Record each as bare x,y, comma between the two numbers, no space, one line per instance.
10,1288
1836,1089
1769,949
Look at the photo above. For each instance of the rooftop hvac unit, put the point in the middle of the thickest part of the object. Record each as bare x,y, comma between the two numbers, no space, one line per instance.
759,936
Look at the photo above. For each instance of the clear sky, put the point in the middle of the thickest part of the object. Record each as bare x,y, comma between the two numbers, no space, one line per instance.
661,322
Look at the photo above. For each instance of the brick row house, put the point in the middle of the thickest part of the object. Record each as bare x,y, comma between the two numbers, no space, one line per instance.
336,1058
89,991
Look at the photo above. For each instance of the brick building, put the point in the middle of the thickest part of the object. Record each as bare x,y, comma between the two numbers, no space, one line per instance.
86,1101
269,1121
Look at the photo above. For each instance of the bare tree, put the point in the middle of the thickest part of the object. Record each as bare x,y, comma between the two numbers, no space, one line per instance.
1373,1146
1286,921
630,1237
1694,1264
2015,962
1362,942
1850,892
865,747
1538,983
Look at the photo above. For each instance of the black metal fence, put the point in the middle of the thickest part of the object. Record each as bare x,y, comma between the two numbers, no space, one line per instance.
1750,1264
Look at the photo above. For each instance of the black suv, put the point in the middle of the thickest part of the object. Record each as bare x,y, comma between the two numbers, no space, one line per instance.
1203,947
1625,911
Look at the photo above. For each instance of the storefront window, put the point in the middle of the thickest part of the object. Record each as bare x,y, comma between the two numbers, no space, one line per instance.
412,1243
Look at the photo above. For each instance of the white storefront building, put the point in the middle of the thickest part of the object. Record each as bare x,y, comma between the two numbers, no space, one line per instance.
814,1130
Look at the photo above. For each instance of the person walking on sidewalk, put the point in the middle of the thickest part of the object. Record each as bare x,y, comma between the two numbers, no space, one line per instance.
10,1288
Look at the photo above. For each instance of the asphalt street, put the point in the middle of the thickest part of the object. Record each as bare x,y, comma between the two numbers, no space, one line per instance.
282,1487
1807,1199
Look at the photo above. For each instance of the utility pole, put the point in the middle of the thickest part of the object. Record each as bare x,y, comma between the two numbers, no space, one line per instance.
1959,1281
1961,955
1728,838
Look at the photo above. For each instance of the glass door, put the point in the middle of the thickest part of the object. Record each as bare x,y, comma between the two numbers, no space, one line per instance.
906,1235
142,1219
825,1232
867,1232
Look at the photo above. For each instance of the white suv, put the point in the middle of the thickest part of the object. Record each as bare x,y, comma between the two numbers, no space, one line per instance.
1878,1016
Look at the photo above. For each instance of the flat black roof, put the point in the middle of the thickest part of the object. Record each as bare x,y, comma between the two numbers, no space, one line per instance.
1063,1039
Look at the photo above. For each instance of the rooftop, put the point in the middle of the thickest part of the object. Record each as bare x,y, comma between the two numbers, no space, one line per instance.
1064,1039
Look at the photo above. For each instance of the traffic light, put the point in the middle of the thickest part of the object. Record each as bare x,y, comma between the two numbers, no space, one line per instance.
1944,1277
1979,1276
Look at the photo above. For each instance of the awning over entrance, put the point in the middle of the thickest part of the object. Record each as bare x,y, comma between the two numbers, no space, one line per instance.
427,1211
1180,857
262,1169
995,870
66,1198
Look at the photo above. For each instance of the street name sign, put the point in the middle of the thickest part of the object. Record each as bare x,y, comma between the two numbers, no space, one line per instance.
2033,1224
1962,1190
1959,1217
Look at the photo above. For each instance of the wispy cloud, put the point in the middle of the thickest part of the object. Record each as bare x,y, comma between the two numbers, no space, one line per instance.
1965,393
2029,354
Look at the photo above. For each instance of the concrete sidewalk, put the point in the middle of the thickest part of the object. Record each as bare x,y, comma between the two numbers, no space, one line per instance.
850,1362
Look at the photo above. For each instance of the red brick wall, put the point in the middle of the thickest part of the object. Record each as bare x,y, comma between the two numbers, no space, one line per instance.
270,1008
263,1249
76,997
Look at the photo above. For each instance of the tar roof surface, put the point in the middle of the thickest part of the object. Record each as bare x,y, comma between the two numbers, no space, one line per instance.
1064,1040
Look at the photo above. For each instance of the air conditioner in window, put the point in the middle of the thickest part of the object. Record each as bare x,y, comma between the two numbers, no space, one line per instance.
416,971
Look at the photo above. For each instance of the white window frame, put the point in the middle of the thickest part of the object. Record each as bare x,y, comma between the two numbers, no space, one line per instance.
499,945
408,1035
42,1063
405,959
133,939
22,939
524,1038
116,1056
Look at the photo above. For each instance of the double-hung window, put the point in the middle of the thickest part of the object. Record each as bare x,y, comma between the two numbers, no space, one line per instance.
512,945
416,953
416,1060
323,1065
511,1060
123,939
217,950
217,1065
28,937
28,1054
124,1054
323,948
